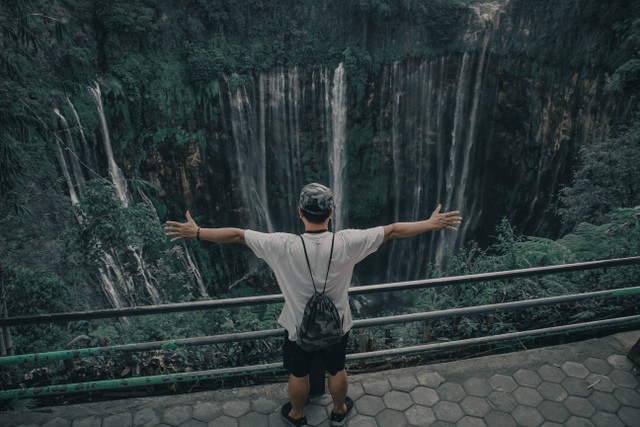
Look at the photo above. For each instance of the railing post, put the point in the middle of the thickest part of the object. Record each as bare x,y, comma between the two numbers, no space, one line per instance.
316,377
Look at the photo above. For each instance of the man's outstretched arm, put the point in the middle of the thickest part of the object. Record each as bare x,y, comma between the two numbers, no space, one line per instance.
437,221
190,231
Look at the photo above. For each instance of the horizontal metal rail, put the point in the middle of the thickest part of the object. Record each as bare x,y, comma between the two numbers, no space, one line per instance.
492,339
278,298
360,323
216,374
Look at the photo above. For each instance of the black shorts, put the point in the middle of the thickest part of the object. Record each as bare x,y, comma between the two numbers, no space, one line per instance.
298,362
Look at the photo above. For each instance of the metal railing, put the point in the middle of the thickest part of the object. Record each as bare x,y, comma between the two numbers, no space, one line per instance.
125,383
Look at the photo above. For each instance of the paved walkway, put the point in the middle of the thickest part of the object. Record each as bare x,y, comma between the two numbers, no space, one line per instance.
591,383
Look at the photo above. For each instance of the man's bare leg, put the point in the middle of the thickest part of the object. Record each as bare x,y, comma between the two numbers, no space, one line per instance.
298,394
338,386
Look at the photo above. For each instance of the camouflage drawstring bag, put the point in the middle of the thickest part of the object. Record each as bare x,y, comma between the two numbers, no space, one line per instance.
321,325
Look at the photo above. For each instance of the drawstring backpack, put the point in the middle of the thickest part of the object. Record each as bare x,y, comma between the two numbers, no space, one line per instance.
321,325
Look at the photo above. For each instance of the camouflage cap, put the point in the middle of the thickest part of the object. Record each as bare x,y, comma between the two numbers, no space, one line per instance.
315,198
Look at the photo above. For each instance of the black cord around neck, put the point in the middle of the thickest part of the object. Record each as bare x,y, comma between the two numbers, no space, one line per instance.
316,231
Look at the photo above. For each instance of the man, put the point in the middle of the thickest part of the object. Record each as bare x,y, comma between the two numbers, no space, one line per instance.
284,253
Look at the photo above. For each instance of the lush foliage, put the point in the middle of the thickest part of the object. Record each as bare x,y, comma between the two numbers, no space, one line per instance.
608,177
618,237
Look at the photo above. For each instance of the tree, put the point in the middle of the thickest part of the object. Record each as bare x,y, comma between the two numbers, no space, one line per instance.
608,178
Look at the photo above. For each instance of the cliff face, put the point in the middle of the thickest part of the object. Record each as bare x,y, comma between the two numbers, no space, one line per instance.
492,130
481,107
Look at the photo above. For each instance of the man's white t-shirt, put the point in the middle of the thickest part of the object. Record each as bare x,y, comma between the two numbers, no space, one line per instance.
284,253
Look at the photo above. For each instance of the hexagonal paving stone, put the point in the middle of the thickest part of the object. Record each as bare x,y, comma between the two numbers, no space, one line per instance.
629,415
527,378
551,373
553,411
604,401
58,422
404,383
479,387
430,379
206,411
623,379
605,419
146,417
551,424
527,416
576,387
502,419
620,362
471,422
177,415
597,366
628,397
447,411
398,400
504,383
527,396
601,382
226,421
193,423
578,422
389,417
579,406
360,420
315,414
425,396
475,406
323,399
118,420
236,408
355,391
551,391
377,387
573,369
451,391
263,405
420,415
443,424
503,401
87,422
369,405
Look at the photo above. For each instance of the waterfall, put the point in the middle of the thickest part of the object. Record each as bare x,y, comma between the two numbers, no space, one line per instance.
279,104
88,154
191,267
250,159
336,105
114,280
465,133
185,254
109,268
120,184
417,95
269,145
62,162
434,109
453,189
75,163
112,273
395,140
117,178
